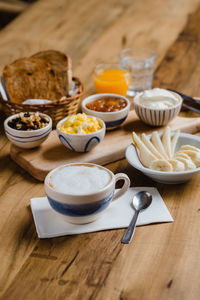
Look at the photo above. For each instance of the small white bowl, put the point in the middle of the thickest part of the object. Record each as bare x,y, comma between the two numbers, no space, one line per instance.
27,139
157,117
81,142
111,119
165,177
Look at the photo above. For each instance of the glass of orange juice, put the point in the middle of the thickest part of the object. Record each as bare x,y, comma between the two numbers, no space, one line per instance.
111,78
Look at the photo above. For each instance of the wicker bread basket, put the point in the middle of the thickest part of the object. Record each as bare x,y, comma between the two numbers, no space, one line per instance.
56,110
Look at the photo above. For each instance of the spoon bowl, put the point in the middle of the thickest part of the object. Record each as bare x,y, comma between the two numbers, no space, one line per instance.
141,201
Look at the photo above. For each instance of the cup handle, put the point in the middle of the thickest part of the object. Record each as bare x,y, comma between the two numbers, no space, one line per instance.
125,186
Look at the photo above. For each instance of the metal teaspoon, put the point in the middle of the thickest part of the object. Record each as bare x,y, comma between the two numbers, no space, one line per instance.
141,201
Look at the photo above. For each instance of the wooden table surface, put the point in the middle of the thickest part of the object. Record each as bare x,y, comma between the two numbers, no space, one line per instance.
162,262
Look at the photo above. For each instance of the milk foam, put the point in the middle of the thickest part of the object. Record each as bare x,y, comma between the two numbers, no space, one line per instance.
78,180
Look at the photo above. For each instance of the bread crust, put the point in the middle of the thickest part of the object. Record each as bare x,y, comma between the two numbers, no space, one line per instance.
45,75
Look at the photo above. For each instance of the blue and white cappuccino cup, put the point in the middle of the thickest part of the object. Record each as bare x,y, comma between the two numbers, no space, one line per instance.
81,192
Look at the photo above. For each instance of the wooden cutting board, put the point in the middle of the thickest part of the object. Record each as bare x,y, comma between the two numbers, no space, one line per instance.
39,161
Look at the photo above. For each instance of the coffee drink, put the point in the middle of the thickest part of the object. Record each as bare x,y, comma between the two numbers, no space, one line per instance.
79,179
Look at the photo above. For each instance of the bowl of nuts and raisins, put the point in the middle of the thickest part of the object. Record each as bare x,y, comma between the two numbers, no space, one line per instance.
28,129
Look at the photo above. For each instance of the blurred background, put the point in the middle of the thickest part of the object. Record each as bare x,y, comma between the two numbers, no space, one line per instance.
10,9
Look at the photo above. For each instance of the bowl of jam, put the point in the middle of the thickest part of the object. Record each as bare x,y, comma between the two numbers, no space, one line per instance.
111,108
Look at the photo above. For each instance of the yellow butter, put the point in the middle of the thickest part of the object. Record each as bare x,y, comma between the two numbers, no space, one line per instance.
80,124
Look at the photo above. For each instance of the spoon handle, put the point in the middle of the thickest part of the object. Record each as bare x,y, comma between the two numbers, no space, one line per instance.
128,234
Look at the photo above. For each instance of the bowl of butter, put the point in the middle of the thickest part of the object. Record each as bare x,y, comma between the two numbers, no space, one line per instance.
157,107
81,132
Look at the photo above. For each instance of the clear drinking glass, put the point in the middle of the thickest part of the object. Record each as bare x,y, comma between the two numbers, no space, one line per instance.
141,63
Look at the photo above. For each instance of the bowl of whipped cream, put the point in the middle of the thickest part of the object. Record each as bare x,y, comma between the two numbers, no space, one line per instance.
157,107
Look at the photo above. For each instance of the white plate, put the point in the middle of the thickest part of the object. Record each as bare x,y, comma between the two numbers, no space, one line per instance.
165,177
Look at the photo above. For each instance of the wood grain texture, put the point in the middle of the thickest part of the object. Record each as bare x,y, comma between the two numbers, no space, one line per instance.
96,32
162,261
52,153
13,6
180,69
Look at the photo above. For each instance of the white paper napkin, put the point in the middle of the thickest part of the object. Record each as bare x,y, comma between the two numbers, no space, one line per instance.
49,223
